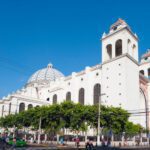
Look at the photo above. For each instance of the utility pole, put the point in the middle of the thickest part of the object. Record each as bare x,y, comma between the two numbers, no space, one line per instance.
14,134
39,133
99,112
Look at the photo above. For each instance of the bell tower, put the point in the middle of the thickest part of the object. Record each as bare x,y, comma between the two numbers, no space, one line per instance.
120,68
120,40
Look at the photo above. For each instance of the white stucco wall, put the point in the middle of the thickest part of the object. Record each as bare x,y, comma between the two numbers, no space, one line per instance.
121,82
145,67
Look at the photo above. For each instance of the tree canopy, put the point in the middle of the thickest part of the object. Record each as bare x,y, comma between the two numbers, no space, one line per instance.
69,115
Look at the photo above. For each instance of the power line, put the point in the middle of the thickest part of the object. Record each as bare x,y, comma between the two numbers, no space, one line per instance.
15,66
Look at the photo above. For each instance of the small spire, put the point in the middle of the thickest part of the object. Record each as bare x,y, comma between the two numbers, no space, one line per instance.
104,34
50,65
136,35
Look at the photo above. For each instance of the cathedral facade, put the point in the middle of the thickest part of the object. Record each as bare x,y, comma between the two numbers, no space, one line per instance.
121,80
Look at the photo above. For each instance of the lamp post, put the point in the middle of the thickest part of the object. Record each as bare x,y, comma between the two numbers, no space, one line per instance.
99,111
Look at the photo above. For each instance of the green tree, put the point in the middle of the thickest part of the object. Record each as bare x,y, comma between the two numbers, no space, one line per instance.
76,117
132,129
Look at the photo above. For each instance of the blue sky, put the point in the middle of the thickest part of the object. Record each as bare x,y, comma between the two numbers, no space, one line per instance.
66,33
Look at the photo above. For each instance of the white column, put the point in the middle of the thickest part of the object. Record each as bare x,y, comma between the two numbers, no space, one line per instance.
112,139
113,50
122,140
124,46
45,138
39,136
57,138
134,141
34,136
141,143
85,136
148,141
39,132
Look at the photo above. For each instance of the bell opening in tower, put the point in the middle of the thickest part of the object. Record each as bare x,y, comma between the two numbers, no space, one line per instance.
118,47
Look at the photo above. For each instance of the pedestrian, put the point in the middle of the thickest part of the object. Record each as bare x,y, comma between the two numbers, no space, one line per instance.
4,140
14,143
62,141
103,142
74,139
2,145
108,142
77,142
89,145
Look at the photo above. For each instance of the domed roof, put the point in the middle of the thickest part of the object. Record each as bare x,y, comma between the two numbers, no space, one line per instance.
45,75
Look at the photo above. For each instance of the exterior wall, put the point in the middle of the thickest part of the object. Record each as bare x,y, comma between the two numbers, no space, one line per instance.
120,82
145,66
148,98
6,108
141,117
14,105
15,102
85,79
111,82
132,84
30,91
1,105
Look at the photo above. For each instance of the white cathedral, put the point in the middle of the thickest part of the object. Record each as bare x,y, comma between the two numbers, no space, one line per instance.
120,80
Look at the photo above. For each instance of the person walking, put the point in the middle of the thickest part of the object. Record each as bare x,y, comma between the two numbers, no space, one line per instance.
14,143
89,145
77,142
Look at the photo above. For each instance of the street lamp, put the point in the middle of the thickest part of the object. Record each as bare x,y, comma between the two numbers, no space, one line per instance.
98,127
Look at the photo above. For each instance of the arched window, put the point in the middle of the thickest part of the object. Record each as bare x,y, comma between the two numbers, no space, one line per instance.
142,72
30,106
129,41
48,99
21,107
129,46
148,72
81,96
68,96
109,51
2,110
118,48
9,108
134,47
97,92
133,50
55,99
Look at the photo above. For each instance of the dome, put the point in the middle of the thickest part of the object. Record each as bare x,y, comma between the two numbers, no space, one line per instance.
45,75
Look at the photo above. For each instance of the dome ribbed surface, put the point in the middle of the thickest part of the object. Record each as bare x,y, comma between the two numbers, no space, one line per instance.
46,74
